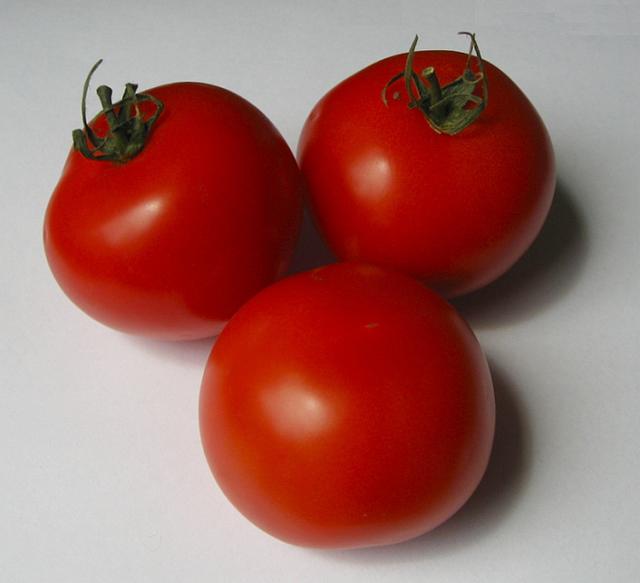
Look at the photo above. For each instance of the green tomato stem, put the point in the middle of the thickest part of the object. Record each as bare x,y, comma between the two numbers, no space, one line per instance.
446,109
127,133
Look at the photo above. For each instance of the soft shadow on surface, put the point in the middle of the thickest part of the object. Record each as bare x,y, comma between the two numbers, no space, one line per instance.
546,272
189,352
311,251
503,482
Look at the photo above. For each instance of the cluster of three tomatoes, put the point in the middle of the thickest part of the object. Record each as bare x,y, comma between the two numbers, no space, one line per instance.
349,405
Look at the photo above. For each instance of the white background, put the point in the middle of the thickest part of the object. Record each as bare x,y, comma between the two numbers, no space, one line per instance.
102,478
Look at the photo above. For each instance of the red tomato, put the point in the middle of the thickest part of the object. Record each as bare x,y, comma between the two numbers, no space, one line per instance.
171,242
454,210
346,407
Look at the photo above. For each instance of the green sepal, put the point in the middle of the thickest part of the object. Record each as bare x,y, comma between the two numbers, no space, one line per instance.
446,109
127,133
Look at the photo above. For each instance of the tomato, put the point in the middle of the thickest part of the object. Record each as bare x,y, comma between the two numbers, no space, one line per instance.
345,407
390,184
170,241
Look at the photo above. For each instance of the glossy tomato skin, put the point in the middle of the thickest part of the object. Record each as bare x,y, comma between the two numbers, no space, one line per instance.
172,242
347,407
456,211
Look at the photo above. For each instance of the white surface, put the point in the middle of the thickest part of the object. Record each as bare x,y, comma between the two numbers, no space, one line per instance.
102,477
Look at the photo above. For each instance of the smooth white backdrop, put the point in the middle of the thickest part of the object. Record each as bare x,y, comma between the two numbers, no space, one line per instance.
102,477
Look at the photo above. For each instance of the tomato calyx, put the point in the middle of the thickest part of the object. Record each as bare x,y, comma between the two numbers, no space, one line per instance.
451,108
128,129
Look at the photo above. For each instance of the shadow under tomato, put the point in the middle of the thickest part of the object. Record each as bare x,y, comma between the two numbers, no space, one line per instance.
547,271
501,485
311,250
188,352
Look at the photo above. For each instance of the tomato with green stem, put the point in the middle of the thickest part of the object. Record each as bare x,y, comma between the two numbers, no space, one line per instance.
175,206
434,163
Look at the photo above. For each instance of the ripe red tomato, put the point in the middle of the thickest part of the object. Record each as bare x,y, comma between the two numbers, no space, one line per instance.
454,210
170,242
346,407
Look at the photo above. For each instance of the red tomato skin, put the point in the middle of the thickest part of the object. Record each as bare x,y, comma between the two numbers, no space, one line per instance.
172,242
347,407
455,211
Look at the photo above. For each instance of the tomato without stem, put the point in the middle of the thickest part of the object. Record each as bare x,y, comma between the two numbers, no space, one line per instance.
346,407
172,241
454,210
